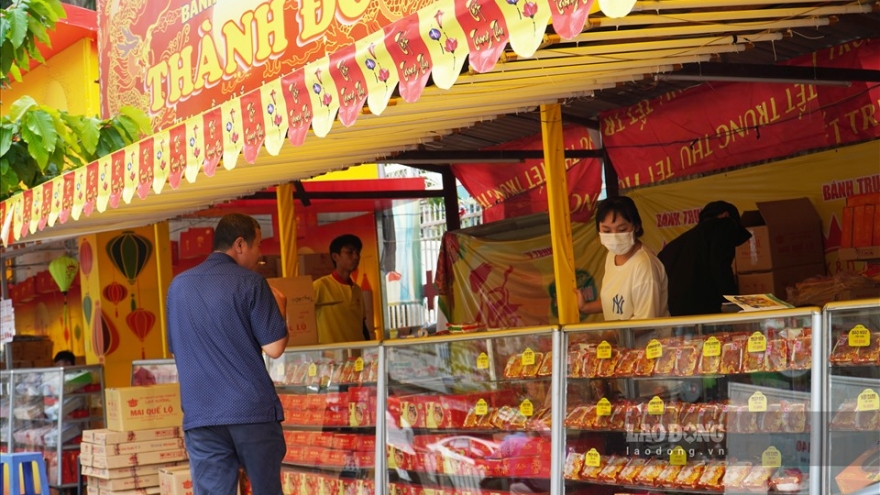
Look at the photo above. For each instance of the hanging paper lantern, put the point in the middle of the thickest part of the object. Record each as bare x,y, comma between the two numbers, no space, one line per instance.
115,293
85,258
129,253
105,337
141,321
616,8
63,270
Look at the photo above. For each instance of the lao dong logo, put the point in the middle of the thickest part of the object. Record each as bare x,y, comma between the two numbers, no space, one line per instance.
675,437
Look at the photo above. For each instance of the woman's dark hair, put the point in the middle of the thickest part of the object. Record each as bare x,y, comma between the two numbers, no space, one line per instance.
623,206
231,227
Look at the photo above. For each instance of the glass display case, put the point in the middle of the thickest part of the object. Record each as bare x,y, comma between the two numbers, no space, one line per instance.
153,371
329,396
48,409
852,442
471,413
706,404
5,411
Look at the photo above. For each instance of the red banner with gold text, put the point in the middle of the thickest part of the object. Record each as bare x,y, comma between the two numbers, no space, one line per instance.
719,125
511,190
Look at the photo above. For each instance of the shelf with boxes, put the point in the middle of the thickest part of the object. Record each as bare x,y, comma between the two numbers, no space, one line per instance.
46,410
852,437
469,412
329,397
692,405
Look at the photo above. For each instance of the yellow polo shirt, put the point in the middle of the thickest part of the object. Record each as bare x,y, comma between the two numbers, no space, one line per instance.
339,310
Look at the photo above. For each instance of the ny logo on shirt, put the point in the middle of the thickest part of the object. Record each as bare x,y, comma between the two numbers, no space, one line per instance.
618,304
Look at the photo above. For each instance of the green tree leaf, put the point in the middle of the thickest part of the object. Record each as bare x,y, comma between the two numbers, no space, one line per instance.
18,25
41,124
5,138
20,106
89,133
42,9
139,117
39,31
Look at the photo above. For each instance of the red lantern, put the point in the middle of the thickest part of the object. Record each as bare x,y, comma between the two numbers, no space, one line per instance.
85,258
105,337
141,321
115,293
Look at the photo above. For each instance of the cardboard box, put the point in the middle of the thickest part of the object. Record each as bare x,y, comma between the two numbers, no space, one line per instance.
315,265
861,473
784,233
128,460
39,351
846,226
124,472
131,483
94,490
175,480
775,281
300,309
132,447
144,408
109,437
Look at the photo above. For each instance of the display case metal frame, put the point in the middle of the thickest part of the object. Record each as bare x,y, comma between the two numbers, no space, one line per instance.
61,420
830,313
556,430
817,372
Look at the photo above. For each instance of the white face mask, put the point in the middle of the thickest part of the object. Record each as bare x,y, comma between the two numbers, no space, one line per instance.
618,243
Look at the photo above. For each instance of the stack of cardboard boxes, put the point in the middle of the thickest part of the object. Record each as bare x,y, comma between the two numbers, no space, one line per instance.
29,352
785,248
143,436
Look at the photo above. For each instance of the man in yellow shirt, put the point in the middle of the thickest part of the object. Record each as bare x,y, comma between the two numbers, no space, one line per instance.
339,301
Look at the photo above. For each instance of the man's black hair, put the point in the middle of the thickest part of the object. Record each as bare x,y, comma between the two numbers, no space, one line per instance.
231,227
65,356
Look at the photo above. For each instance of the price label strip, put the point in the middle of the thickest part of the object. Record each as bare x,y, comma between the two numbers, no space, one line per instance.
592,458
656,406
526,408
603,407
712,347
868,401
678,457
359,365
483,361
528,357
654,349
771,458
603,350
757,342
859,336
758,402
481,408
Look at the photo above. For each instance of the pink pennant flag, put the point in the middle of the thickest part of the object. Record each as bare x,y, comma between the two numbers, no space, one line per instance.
46,206
67,197
145,168
212,125
351,85
91,188
569,17
411,57
253,124
486,30
177,145
117,178
27,203
299,106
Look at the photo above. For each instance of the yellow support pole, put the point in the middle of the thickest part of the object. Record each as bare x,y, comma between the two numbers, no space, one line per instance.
164,274
287,230
560,214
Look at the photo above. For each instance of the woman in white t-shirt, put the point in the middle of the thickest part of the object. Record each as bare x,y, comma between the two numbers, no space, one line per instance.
634,285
